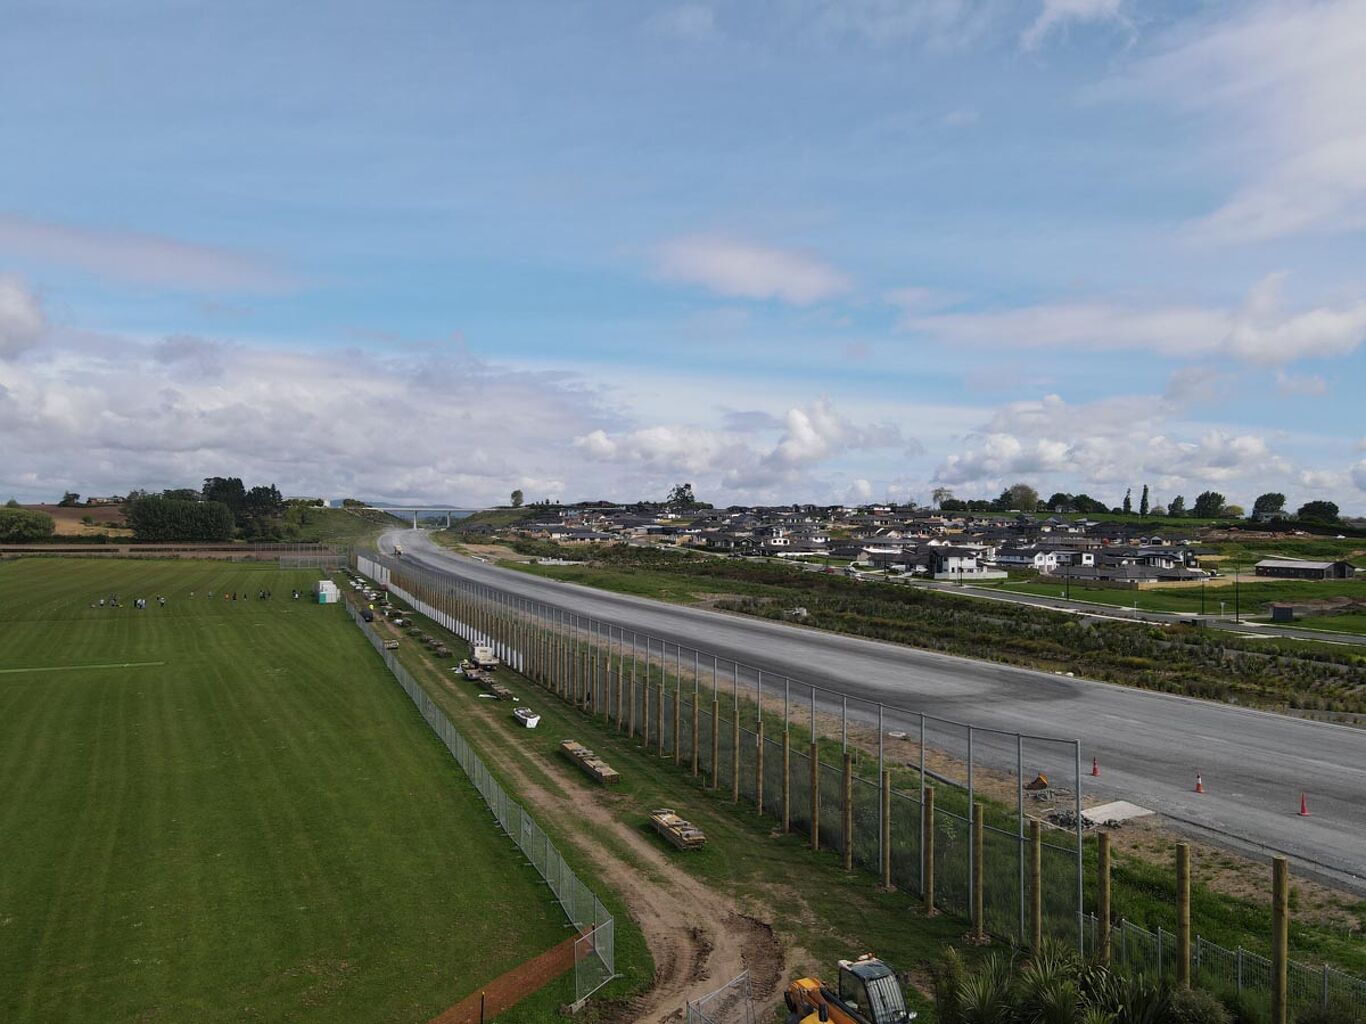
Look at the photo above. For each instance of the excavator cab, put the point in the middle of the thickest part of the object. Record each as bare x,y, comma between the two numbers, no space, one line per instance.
866,993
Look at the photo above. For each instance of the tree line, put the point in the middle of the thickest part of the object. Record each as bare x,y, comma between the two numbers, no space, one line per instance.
222,510
1021,497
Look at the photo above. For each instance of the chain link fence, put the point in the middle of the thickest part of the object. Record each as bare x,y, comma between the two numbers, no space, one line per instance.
729,1004
1220,969
595,950
635,680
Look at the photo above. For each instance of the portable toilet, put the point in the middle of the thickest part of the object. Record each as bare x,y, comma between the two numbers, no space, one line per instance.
328,592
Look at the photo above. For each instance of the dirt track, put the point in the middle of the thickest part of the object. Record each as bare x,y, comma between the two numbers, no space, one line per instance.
699,938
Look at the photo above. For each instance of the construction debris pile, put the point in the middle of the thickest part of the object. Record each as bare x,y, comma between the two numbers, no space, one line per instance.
597,769
683,834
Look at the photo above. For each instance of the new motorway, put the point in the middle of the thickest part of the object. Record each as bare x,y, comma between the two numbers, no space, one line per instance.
1149,746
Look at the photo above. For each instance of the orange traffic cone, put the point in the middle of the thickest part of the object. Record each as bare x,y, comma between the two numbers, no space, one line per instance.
1199,783
1304,806
1095,767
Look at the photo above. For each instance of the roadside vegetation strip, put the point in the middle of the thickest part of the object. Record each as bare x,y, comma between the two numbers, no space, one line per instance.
260,826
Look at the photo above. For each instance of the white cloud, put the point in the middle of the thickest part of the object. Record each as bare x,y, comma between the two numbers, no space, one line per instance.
1359,474
1300,384
21,317
1108,444
737,463
742,269
692,22
1258,332
1056,15
1280,87
135,257
99,413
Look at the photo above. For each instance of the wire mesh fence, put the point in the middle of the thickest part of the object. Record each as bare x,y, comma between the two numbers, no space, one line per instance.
594,951
732,1003
636,681
1217,968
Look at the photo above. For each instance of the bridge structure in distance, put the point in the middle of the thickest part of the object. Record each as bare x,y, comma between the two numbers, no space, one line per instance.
427,510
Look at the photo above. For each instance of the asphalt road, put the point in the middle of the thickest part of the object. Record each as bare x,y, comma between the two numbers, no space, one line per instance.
1149,745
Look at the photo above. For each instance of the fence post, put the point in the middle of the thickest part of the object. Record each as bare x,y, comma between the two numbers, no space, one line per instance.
815,797
659,717
979,913
759,765
1103,897
1035,884
927,848
1238,970
847,811
645,715
1183,915
715,742
695,741
885,831
621,696
631,726
735,756
678,724
787,782
1325,986
1280,938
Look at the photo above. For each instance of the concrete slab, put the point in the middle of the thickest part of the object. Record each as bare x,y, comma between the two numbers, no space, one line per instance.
1116,810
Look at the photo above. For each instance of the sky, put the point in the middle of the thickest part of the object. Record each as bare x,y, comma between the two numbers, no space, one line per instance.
785,250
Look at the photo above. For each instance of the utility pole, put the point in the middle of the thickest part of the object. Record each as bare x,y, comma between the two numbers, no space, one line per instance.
1236,570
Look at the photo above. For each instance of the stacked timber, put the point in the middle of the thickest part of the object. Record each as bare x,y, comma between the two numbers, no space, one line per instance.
683,834
597,769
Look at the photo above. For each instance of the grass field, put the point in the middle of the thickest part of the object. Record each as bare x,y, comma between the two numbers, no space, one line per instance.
228,811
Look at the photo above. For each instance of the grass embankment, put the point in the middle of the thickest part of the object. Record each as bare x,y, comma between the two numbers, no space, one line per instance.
1254,596
826,911
230,812
1268,673
342,526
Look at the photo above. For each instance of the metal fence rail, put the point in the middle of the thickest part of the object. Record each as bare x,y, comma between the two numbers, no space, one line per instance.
595,949
1219,968
729,1004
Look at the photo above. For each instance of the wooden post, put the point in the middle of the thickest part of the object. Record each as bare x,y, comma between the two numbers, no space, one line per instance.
787,782
1183,915
621,697
678,724
815,797
927,848
631,712
1035,884
1280,939
885,834
979,916
1103,895
696,714
847,812
715,742
759,766
735,758
660,719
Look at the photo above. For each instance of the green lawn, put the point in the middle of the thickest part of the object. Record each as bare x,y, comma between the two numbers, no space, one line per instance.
228,811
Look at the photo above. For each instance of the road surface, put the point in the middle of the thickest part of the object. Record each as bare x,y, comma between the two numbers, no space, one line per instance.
1150,746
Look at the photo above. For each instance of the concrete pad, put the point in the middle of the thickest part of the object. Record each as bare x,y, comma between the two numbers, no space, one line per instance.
1118,810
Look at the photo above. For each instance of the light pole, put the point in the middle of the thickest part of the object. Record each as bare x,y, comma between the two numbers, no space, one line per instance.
1236,569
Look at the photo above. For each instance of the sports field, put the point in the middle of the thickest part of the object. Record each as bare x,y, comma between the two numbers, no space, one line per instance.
228,811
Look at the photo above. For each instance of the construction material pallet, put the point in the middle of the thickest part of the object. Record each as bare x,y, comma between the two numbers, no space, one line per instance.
683,834
597,769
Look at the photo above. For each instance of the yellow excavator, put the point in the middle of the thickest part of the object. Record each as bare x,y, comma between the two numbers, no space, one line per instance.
867,993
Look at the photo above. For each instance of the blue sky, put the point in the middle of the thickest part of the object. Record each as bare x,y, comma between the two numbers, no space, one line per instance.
785,249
